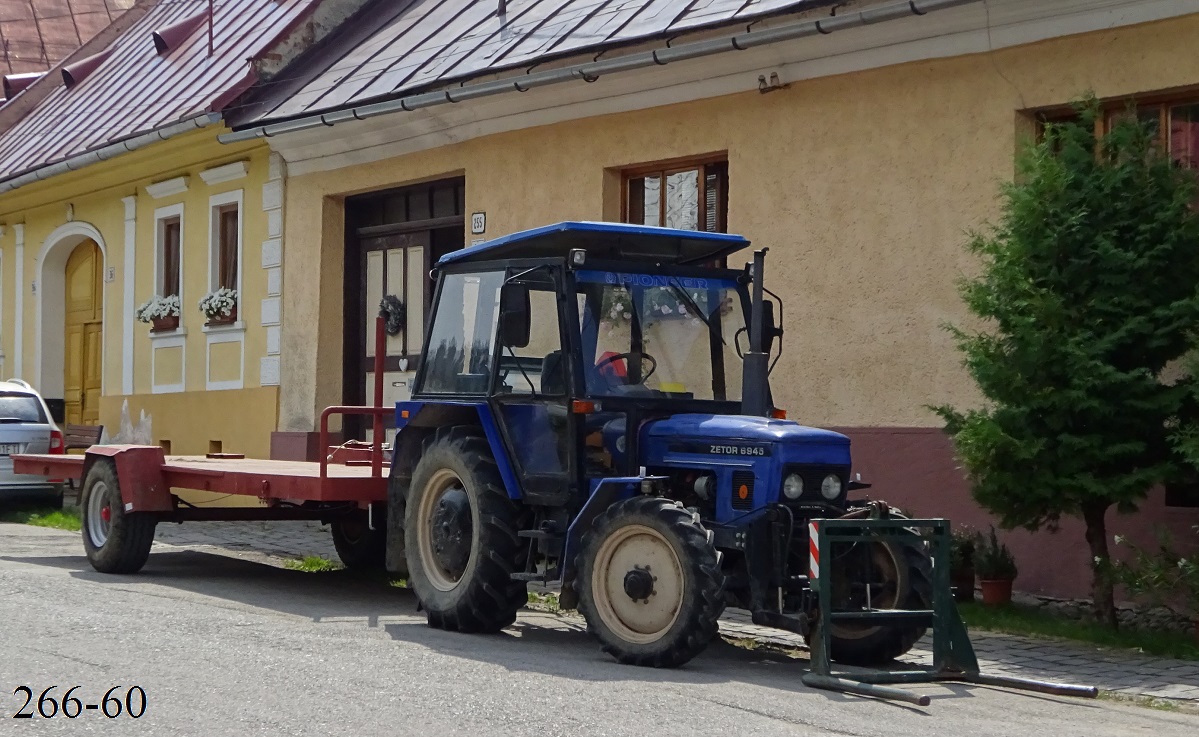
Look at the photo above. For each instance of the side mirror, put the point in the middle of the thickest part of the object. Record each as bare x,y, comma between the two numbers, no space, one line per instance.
514,315
770,329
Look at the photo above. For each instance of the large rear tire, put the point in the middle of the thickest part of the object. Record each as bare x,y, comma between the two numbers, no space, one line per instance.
460,531
902,572
115,541
650,585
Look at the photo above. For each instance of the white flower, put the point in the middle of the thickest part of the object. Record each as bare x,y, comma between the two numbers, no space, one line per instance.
158,308
1119,539
219,303
1097,560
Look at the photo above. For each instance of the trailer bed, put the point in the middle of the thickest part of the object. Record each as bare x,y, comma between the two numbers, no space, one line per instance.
261,478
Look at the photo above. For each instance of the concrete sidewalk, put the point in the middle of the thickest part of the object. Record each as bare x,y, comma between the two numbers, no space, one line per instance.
1120,671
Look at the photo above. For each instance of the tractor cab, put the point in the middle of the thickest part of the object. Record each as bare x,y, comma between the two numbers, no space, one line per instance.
602,349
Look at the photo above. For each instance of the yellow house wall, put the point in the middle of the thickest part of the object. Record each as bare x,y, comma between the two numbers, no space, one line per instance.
242,419
864,186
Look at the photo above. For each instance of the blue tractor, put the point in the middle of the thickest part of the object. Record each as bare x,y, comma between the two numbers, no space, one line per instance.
593,409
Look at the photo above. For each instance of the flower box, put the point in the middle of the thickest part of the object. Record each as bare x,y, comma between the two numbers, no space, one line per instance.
217,320
164,324
220,306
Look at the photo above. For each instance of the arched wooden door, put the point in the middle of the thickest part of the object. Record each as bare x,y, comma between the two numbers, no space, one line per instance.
84,325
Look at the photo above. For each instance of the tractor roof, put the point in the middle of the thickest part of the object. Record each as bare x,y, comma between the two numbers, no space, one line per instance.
614,241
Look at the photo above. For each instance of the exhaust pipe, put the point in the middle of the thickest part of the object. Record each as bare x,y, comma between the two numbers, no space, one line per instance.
755,389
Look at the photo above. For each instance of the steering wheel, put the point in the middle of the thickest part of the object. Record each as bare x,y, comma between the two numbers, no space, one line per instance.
626,356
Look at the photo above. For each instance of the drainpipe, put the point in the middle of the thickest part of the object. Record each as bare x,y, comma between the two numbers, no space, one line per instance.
590,71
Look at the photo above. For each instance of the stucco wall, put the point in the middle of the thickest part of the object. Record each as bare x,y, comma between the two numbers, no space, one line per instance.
864,187
93,201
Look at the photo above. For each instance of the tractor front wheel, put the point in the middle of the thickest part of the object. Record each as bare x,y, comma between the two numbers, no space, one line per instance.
460,531
650,585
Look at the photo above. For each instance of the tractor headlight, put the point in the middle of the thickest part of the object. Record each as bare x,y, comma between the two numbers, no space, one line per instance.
793,486
830,488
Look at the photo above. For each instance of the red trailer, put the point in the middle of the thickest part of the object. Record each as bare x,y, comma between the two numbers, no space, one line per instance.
126,490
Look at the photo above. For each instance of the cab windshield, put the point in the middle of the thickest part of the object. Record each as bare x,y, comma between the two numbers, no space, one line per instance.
657,335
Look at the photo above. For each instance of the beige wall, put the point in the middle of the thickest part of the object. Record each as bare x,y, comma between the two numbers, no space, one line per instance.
864,187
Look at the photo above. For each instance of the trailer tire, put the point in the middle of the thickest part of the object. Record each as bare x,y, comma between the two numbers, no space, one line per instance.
114,540
634,631
461,536
359,547
884,643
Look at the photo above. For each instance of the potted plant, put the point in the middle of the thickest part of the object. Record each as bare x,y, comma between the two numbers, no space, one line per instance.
996,570
962,547
220,306
161,312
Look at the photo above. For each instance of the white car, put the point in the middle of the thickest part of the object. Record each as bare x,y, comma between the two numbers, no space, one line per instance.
26,427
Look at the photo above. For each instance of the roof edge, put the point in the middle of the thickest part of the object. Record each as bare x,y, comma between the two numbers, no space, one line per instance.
466,89
108,151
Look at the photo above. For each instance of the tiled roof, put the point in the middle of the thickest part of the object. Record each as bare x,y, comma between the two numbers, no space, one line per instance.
131,88
36,34
426,43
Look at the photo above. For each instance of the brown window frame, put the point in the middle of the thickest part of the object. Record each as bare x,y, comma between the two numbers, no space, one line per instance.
1110,108
715,164
227,235
172,255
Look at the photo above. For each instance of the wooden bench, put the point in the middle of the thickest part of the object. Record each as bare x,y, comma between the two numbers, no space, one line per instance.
80,437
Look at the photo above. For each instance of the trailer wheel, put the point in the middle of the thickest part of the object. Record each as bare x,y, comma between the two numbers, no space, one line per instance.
461,537
359,547
650,585
115,541
902,572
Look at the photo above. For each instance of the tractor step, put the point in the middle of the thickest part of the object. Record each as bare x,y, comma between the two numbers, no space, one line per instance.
536,577
540,535
799,625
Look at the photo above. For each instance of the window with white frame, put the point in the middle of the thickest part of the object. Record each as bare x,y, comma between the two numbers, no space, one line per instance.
224,247
168,225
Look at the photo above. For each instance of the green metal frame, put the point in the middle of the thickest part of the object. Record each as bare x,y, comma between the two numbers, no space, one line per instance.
953,655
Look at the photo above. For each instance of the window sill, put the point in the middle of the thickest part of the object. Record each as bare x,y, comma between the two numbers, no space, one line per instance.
178,332
236,327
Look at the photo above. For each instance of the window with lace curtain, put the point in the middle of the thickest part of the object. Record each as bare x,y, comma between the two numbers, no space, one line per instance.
688,194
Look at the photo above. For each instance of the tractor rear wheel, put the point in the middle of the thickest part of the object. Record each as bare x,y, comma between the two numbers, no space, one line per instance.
359,547
460,531
650,585
898,572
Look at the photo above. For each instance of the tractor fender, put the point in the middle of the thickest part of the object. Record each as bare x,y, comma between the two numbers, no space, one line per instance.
606,493
416,420
139,473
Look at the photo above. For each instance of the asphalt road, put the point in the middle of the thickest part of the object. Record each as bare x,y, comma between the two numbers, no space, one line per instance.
225,646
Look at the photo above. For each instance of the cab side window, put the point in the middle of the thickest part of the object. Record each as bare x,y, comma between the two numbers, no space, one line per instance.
538,367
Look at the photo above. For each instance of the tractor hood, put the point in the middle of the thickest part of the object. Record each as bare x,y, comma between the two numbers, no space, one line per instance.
744,436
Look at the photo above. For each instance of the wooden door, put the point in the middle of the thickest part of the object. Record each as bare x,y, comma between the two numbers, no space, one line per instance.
84,334
396,265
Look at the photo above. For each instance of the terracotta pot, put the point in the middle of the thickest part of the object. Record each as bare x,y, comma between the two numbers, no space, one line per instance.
223,319
996,593
962,581
163,324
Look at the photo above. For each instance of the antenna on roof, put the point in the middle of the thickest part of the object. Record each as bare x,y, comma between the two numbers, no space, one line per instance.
503,7
210,22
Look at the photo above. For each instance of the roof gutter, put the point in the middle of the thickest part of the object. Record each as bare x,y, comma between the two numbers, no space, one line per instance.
112,150
590,71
